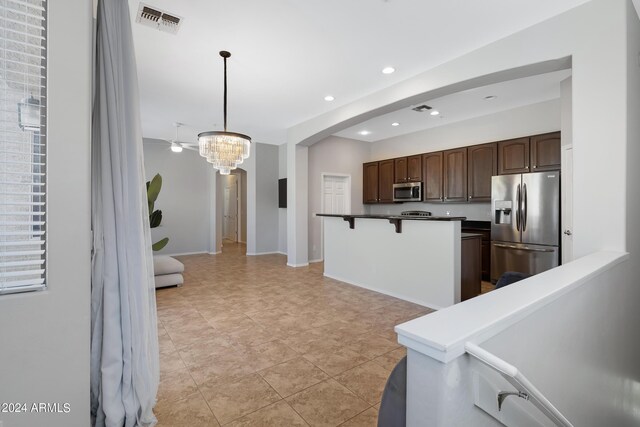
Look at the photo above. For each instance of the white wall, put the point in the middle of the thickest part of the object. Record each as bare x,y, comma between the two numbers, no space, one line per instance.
185,197
241,175
523,121
262,189
333,155
45,335
633,139
282,212
582,318
297,204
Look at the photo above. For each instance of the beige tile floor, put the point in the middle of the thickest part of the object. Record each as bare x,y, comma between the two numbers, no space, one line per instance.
248,341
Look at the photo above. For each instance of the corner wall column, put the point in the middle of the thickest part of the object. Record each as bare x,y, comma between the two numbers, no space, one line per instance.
297,205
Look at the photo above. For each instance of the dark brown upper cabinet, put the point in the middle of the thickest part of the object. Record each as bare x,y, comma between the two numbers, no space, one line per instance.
432,173
370,182
385,181
408,169
545,152
400,170
414,168
455,175
513,156
482,164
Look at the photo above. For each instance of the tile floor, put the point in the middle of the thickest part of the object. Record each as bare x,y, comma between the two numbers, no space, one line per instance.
248,341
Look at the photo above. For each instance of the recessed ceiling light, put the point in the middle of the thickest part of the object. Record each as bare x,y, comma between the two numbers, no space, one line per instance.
434,112
329,98
490,97
364,132
395,124
388,70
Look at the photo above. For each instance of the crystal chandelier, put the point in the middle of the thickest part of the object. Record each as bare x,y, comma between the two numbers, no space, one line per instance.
224,150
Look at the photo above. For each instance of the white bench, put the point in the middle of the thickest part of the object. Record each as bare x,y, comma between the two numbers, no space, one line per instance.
167,271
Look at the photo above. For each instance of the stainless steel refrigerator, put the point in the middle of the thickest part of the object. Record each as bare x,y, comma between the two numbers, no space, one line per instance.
525,226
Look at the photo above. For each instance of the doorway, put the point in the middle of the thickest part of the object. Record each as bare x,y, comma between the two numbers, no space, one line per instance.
234,207
335,193
230,209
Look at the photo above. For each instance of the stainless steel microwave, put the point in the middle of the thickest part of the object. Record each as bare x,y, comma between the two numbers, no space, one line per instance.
408,192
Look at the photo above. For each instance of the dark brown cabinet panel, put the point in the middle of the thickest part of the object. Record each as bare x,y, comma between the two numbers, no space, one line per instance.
400,170
414,168
385,181
370,183
455,175
470,266
486,260
545,152
432,174
513,156
482,165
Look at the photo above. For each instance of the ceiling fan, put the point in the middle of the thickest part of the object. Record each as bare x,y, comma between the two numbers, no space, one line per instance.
176,145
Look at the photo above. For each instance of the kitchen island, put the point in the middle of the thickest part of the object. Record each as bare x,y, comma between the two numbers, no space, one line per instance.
416,259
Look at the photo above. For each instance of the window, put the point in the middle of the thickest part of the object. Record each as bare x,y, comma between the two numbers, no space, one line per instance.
22,145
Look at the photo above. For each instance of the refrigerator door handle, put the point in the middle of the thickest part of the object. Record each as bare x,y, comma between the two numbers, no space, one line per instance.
518,208
521,248
524,207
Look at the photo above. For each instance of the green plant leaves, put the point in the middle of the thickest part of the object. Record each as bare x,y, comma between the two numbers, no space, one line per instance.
155,218
153,189
160,244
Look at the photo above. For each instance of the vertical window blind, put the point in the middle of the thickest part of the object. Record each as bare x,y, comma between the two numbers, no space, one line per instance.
23,138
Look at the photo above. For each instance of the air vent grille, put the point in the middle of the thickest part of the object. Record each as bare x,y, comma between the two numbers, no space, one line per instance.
158,19
421,108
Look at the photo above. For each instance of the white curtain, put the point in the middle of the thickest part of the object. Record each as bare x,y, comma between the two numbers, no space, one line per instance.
124,341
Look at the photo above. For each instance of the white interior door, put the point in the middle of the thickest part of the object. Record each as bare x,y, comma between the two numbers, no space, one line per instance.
336,199
566,200
229,226
334,195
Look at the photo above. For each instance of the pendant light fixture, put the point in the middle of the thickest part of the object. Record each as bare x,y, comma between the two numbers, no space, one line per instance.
224,150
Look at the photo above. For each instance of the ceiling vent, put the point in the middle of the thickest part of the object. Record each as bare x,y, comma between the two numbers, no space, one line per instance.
158,19
421,108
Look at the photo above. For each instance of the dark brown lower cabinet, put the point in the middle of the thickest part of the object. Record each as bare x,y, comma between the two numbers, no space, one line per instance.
470,265
486,248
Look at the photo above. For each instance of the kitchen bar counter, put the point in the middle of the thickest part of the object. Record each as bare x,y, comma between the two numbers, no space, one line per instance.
403,217
396,220
419,262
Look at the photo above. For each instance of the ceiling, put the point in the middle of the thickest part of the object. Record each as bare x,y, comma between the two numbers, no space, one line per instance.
461,106
287,55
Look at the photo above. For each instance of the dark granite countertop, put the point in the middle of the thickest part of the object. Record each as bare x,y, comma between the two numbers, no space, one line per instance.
476,225
399,217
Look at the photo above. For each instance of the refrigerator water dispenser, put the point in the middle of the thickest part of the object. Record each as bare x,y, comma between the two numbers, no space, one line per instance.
502,211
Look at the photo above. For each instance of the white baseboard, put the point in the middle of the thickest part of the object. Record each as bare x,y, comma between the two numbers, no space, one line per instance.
306,264
187,253
391,294
312,261
264,253
215,253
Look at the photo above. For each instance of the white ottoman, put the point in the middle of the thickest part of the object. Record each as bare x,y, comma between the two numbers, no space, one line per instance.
167,271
